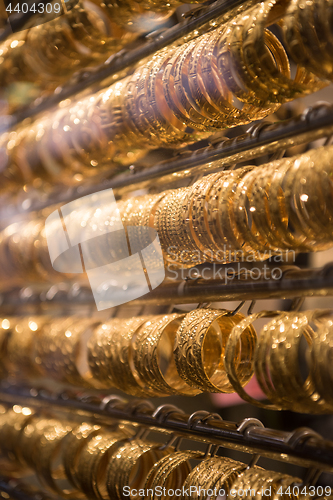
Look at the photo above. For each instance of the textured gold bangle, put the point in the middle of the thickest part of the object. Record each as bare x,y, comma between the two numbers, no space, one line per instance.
200,348
137,455
213,475
153,342
255,480
75,442
91,468
198,216
170,471
110,354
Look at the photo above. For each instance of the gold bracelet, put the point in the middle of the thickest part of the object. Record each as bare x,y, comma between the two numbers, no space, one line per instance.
200,349
152,347
74,444
213,475
110,355
60,353
170,471
137,455
91,467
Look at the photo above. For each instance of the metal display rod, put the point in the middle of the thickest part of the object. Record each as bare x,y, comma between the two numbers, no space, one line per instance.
302,447
293,282
264,138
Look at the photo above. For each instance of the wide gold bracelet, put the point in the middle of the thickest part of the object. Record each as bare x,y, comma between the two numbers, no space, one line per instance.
200,348
110,355
152,348
91,467
133,455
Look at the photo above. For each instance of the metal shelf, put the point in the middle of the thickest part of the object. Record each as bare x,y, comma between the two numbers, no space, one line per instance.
261,139
301,447
294,282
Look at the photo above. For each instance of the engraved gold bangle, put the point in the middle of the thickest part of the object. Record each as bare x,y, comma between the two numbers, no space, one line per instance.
152,347
92,463
200,349
213,474
135,455
110,354
170,472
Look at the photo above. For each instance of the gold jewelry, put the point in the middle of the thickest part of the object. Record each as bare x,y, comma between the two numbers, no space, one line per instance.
110,355
170,472
133,455
75,442
200,349
213,474
91,467
152,347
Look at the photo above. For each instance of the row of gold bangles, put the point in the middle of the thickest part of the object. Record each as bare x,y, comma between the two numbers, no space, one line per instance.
87,34
232,75
79,460
248,214
204,350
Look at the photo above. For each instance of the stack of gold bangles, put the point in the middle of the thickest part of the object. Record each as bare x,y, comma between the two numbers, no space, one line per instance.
86,460
204,350
288,380
308,35
182,93
250,214
134,355
48,54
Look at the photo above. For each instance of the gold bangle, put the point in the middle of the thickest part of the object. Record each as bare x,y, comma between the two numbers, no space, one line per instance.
153,340
91,467
321,356
46,450
74,444
21,346
281,367
137,455
213,474
12,424
61,349
198,216
256,480
221,220
231,353
170,471
110,354
200,349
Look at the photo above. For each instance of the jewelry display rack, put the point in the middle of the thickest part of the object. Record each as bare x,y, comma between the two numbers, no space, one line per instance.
294,282
263,138
303,446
